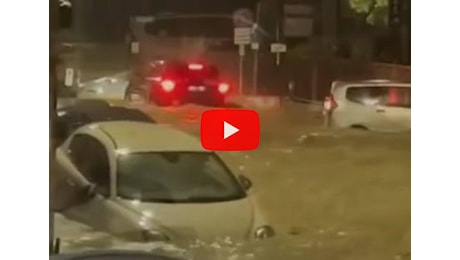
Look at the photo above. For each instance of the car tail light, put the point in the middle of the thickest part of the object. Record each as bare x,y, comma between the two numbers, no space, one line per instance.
195,66
223,88
168,85
329,103
393,97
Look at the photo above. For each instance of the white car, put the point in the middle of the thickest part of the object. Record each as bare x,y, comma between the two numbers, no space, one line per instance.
153,182
112,87
377,105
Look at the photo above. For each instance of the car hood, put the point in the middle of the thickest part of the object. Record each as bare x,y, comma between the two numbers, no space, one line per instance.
111,87
203,221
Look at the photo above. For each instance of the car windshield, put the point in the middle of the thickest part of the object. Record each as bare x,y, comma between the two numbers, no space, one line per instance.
176,177
191,71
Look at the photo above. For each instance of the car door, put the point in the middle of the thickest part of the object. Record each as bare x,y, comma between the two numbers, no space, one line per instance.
365,107
86,159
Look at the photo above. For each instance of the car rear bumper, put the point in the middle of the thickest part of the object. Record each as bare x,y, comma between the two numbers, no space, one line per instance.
208,96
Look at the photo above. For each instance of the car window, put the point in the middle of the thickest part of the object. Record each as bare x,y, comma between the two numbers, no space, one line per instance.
91,158
383,96
191,71
176,177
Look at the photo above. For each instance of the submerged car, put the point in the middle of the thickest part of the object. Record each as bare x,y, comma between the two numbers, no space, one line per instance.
178,82
69,118
377,105
111,87
153,182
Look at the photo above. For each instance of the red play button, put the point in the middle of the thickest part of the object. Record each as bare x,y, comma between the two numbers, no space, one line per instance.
230,130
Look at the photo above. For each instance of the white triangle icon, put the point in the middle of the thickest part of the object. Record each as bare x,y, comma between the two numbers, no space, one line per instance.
229,130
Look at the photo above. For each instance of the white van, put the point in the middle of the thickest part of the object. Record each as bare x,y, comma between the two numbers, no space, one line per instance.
377,105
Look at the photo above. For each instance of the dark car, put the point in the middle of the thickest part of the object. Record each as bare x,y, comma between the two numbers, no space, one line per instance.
181,83
70,118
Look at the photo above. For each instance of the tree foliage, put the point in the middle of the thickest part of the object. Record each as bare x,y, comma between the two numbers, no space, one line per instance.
375,11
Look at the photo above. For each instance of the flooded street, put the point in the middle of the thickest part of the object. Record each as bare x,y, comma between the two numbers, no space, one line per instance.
329,194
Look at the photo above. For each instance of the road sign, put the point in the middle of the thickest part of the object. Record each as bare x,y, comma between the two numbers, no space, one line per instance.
135,47
242,36
243,18
69,76
278,47
255,45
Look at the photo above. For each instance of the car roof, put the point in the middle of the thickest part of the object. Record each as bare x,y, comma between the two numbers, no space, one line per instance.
90,114
147,137
366,83
72,103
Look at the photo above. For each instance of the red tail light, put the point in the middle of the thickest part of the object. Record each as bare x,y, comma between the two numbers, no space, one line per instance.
223,88
168,85
329,103
393,96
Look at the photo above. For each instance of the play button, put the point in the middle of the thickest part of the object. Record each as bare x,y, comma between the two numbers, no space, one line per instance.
229,130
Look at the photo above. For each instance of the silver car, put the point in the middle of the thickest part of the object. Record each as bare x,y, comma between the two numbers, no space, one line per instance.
377,105
153,182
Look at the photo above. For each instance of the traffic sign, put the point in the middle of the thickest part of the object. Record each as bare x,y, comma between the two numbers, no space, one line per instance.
69,77
242,36
243,18
135,47
255,45
278,47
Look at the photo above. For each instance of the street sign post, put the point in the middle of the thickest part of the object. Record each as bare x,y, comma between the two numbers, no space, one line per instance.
243,18
255,45
135,47
278,48
241,37
69,77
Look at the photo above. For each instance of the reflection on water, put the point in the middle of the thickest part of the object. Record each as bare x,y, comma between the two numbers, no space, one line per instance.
276,248
77,237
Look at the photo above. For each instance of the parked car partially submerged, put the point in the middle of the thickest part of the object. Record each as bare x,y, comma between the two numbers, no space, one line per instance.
377,105
151,182
71,117
112,87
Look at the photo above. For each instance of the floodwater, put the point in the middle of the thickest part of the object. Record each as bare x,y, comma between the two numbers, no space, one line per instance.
330,194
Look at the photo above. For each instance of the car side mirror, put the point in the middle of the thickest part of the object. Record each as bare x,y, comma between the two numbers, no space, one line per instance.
245,182
67,188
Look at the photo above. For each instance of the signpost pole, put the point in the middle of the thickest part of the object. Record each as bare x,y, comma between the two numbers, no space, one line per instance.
277,40
256,52
242,37
241,54
255,71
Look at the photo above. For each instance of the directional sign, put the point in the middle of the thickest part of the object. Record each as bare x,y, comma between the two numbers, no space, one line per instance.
255,45
69,76
135,47
278,47
242,36
243,18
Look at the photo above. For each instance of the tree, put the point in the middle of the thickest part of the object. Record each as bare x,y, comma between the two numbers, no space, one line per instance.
375,11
